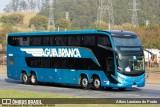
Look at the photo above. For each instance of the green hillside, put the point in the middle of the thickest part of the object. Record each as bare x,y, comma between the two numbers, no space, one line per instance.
80,10
83,15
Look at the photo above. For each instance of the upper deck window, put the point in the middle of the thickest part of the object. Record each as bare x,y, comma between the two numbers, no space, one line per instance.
61,41
89,40
103,40
74,40
35,41
14,41
45,41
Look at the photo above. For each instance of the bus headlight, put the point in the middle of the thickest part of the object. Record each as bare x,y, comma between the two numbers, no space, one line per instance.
128,69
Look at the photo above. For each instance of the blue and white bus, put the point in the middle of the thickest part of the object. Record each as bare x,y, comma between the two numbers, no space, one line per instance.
110,58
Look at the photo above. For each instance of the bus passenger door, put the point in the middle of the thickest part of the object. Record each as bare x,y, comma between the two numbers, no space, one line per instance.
109,65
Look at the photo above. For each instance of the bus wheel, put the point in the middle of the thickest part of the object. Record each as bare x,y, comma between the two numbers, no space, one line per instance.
24,77
84,82
96,83
33,79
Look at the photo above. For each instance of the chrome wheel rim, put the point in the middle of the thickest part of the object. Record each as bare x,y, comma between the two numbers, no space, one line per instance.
33,79
85,82
25,78
96,83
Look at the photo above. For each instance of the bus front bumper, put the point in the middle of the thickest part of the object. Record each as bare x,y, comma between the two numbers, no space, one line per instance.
126,81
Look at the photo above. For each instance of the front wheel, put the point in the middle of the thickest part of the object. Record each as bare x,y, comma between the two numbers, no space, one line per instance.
33,79
84,82
96,83
24,78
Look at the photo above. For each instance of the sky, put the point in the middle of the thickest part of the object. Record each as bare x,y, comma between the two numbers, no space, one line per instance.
3,3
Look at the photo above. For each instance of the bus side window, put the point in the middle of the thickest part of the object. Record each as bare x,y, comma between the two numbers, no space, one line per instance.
88,64
74,40
45,41
71,63
61,41
63,64
52,41
102,40
31,62
79,63
14,41
56,63
24,41
35,41
89,40
11,41
44,62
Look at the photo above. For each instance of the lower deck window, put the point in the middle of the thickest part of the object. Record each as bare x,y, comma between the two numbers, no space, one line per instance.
62,63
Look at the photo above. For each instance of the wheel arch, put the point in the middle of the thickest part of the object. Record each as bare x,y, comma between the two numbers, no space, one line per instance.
33,72
95,75
23,71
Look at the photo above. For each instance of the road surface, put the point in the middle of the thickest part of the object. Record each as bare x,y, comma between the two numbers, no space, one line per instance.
149,91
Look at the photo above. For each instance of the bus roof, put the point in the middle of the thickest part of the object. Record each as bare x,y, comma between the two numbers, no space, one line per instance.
112,32
120,32
51,32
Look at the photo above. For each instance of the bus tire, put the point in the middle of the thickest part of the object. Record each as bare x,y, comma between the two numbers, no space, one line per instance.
24,78
84,82
96,83
33,79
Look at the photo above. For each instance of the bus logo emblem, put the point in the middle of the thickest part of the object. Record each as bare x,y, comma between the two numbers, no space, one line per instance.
53,52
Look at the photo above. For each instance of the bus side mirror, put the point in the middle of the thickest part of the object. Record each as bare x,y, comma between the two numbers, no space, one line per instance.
152,55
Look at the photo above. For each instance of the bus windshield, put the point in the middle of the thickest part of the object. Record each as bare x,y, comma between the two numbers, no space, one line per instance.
126,41
130,64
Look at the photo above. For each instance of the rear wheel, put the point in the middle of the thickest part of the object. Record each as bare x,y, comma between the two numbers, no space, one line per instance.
84,82
33,79
96,83
24,78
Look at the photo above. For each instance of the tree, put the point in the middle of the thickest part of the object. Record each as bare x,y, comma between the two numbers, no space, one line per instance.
63,23
39,22
15,5
82,21
31,4
23,5
13,19
5,30
99,25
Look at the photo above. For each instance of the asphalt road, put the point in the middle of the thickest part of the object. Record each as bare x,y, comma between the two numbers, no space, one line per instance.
149,91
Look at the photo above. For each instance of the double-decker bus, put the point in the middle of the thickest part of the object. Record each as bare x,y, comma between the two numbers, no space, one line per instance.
110,58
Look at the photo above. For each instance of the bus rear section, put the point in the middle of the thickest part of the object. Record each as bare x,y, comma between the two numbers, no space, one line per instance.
89,57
